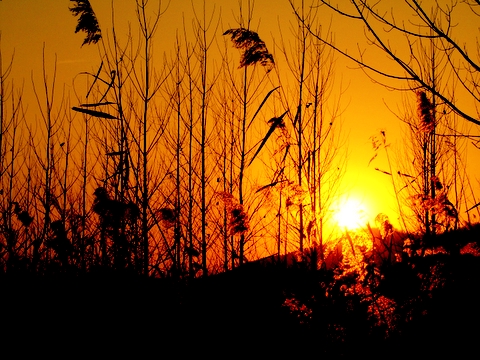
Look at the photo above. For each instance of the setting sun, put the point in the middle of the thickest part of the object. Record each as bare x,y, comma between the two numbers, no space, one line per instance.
350,214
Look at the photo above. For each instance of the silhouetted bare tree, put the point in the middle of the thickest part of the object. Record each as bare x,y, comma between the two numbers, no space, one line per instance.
438,21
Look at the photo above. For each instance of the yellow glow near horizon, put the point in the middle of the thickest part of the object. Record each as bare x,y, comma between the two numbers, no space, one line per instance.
351,214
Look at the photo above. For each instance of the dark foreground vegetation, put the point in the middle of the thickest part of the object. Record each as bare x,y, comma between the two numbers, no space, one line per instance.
420,306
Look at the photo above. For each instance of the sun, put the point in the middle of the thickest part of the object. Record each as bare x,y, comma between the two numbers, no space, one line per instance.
350,214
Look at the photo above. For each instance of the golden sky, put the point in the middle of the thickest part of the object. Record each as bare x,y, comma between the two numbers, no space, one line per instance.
29,25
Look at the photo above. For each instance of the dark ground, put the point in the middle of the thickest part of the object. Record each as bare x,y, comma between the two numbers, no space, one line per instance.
241,313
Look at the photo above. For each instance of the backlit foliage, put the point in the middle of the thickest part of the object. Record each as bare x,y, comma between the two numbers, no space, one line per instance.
425,109
298,310
22,215
357,253
238,218
254,49
444,211
87,21
383,313
384,224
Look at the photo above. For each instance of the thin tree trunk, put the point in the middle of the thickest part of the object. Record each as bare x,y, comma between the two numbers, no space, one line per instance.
242,159
300,128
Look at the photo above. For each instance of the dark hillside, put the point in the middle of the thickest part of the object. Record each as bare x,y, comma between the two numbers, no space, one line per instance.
272,310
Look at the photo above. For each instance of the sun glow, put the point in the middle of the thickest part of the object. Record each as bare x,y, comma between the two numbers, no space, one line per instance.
351,214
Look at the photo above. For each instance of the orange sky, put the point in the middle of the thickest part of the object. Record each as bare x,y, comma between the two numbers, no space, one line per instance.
28,24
